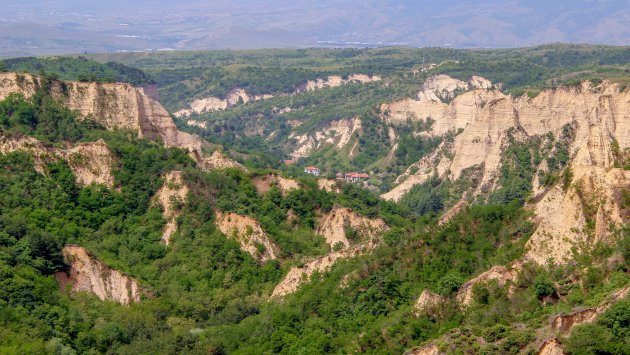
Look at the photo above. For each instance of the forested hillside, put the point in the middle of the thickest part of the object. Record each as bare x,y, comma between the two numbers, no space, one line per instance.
495,219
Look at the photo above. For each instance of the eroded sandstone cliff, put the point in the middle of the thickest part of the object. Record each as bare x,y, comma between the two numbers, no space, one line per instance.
336,224
487,120
87,274
298,275
248,232
91,163
113,105
336,133
171,196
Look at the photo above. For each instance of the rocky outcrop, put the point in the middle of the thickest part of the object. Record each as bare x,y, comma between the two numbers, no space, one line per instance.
235,97
502,275
328,185
298,275
428,303
264,183
40,153
86,274
335,225
443,87
91,163
337,133
172,194
334,81
218,160
551,347
198,124
562,324
115,106
563,216
249,234
430,349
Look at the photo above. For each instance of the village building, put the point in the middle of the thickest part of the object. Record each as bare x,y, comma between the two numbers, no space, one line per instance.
355,176
313,170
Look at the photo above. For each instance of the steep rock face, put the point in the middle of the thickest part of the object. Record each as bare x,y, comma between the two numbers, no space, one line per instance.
335,225
600,115
264,183
87,274
91,163
249,234
116,105
298,275
171,195
501,274
486,115
337,133
334,81
563,216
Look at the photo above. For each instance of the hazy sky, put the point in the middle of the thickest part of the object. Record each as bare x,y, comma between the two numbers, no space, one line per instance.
58,26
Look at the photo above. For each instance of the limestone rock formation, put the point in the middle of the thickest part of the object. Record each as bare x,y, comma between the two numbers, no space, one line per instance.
86,274
335,225
248,233
171,195
298,275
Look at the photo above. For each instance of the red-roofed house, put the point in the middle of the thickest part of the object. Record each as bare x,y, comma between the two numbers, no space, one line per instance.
355,176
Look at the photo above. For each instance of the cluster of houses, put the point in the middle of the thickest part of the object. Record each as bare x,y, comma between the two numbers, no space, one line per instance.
352,177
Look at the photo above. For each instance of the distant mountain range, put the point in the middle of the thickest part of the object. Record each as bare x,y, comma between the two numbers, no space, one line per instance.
72,26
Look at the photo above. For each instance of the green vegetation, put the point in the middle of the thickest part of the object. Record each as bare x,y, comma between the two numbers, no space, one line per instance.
77,69
206,295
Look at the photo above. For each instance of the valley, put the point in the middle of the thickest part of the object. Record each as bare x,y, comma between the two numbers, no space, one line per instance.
386,200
